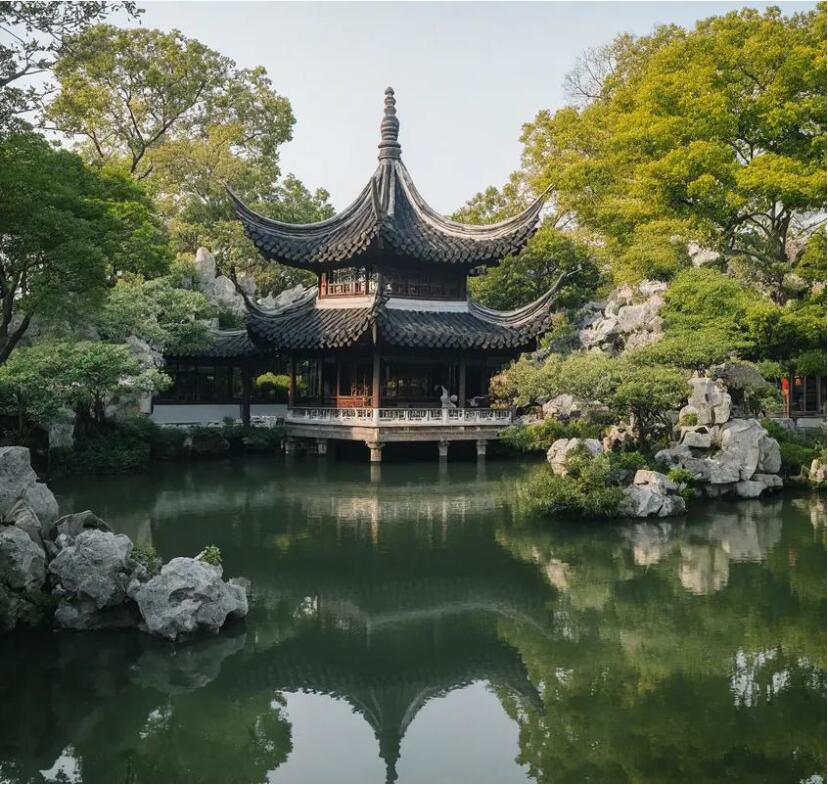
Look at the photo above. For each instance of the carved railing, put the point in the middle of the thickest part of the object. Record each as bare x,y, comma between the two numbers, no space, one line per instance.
390,417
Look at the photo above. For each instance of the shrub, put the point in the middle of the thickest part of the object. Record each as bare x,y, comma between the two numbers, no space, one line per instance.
211,554
628,461
113,448
797,448
147,556
688,420
585,491
537,437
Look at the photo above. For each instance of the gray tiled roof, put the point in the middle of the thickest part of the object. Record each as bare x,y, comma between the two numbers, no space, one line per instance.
224,344
304,325
388,218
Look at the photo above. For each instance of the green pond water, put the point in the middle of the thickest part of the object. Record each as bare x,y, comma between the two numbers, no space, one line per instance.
414,624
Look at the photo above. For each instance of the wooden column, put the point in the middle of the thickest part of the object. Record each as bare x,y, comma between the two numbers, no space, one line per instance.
292,385
338,380
375,382
461,385
320,382
246,385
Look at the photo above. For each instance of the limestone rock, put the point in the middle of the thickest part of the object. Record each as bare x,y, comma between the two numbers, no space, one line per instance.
19,481
709,401
770,455
96,567
619,438
188,596
749,489
82,613
652,494
816,473
697,436
557,454
24,517
70,526
562,406
22,561
661,482
741,438
17,610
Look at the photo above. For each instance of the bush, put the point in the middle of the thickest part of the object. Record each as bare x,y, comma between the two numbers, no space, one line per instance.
537,437
147,556
628,461
113,448
688,420
798,448
211,554
585,491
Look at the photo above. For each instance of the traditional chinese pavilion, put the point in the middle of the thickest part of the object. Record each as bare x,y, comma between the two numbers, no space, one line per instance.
388,346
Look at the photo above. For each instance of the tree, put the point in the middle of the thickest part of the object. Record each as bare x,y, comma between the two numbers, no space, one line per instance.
161,311
40,383
553,249
714,136
188,122
65,230
37,34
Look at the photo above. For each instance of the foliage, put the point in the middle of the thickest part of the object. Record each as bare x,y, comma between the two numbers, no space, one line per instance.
210,554
535,437
64,230
714,136
160,311
147,557
798,447
39,383
187,121
627,388
109,448
36,35
688,420
585,491
630,461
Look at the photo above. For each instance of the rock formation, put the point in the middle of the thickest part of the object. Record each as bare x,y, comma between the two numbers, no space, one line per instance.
78,564
560,449
628,319
652,494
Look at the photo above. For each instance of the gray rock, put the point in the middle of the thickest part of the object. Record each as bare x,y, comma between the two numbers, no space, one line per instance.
660,482
82,613
188,596
709,401
23,516
674,456
697,437
22,561
19,481
749,489
619,438
17,610
816,472
741,439
770,455
562,406
769,481
70,526
95,567
557,454
645,501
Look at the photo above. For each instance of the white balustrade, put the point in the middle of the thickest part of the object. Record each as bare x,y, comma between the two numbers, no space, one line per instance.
399,417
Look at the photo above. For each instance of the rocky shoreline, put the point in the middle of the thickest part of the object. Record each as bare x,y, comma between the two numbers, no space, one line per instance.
74,573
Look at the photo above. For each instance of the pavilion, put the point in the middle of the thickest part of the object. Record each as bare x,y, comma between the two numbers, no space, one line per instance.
388,346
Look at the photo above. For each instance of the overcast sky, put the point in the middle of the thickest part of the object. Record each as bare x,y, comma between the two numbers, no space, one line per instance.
466,75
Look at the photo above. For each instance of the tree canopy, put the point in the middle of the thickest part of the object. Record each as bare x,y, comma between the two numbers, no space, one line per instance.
714,136
65,230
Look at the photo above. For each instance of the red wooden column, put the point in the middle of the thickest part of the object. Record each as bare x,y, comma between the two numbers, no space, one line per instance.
375,382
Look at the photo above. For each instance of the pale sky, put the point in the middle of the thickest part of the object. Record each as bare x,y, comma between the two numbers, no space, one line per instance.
467,75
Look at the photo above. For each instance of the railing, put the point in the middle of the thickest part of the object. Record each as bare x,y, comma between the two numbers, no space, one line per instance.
397,417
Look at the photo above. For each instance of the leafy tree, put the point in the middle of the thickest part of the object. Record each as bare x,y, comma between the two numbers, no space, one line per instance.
39,383
646,395
37,34
162,311
517,280
714,136
64,231
188,122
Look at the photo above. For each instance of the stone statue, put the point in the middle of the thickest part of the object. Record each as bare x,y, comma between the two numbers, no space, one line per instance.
447,401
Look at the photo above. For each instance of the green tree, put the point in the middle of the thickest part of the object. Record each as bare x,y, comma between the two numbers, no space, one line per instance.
714,136
36,35
188,122
64,231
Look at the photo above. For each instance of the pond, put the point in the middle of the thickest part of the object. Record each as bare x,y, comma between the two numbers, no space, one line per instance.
412,623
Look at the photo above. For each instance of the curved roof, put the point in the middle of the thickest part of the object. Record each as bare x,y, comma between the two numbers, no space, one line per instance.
388,215
303,325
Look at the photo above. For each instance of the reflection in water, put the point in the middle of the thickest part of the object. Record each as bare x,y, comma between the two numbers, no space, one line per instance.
648,651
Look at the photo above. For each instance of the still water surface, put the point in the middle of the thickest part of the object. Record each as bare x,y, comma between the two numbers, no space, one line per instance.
418,626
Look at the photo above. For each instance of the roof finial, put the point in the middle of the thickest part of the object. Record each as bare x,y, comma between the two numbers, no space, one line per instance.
389,147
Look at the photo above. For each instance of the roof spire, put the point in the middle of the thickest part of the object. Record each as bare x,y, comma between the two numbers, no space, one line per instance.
389,147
